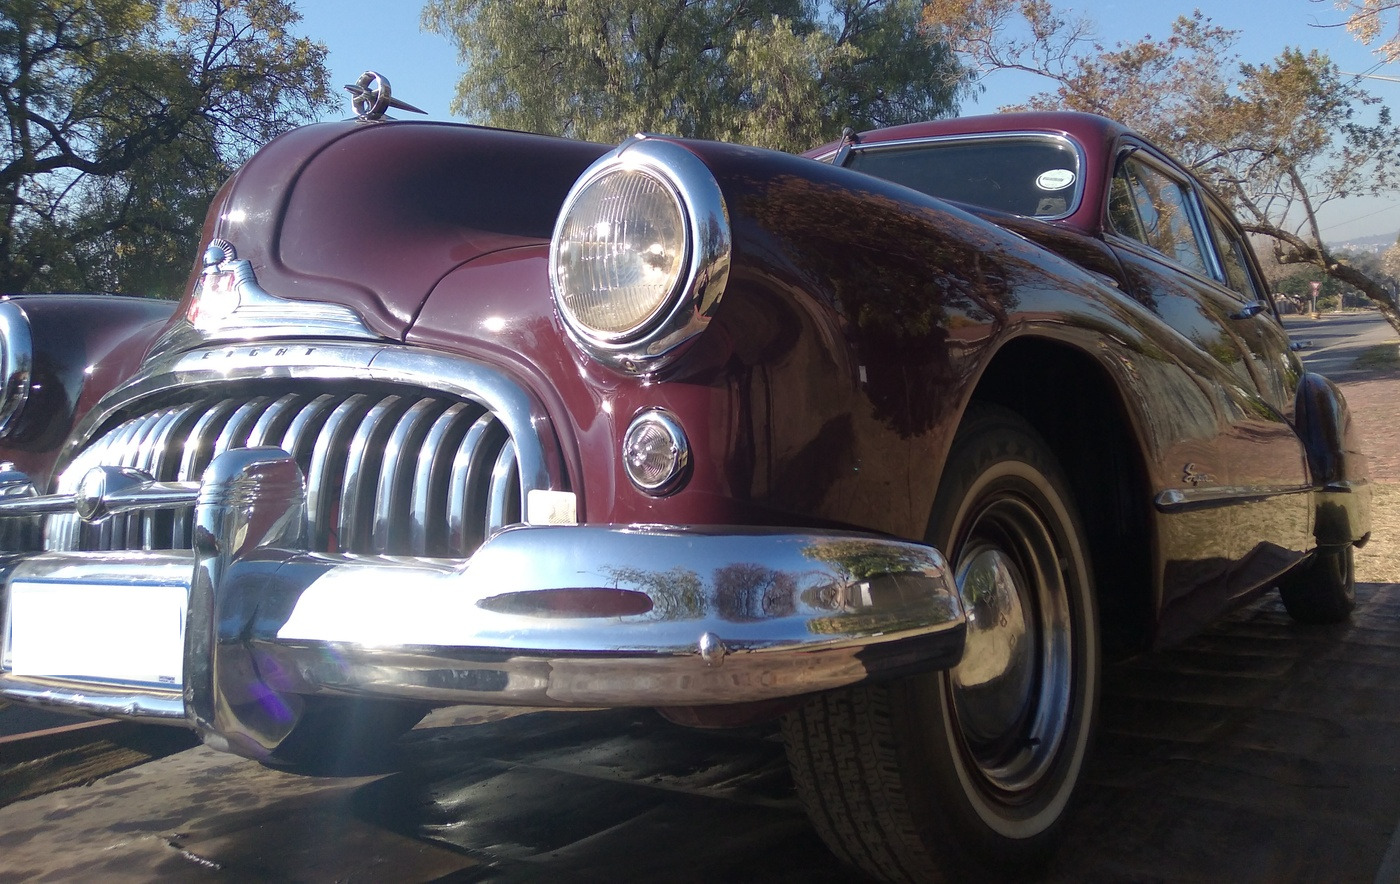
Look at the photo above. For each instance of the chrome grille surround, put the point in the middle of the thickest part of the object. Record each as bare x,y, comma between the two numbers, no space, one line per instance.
405,452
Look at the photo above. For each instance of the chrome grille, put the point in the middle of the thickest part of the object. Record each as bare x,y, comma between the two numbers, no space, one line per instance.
394,472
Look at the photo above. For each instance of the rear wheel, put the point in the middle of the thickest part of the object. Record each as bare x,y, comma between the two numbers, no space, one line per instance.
1322,590
961,771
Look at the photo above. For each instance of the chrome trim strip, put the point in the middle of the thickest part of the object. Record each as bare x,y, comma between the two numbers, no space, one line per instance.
148,707
132,490
387,363
1183,499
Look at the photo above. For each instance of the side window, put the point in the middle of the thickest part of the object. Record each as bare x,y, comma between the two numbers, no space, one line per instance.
1148,206
1232,258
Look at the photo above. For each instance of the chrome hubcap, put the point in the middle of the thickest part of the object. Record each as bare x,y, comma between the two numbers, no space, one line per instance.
1011,692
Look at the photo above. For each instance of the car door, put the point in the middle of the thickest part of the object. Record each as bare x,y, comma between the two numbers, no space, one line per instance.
1237,509
1275,516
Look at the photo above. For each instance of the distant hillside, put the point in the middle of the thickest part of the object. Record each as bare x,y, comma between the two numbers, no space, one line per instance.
1373,244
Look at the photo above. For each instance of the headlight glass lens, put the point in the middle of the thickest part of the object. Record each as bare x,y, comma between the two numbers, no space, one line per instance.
619,252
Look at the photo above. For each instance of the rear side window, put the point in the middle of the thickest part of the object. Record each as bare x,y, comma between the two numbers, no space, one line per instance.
1233,262
1156,210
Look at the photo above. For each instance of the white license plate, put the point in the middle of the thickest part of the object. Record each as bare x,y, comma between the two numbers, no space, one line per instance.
98,632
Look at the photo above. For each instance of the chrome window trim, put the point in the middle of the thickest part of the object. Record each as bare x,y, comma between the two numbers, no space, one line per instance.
1196,210
709,244
1211,206
847,151
391,364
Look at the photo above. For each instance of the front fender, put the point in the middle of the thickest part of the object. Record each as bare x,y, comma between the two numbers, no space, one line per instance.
67,352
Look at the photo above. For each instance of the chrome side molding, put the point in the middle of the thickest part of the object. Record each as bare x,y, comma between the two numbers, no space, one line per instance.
16,365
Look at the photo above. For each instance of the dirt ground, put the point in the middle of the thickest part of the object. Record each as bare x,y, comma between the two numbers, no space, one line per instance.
1374,401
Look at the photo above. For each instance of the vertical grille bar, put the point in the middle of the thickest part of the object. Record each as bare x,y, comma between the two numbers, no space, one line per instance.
505,489
110,531
139,527
273,422
393,498
471,472
300,438
362,465
165,467
433,478
195,458
323,478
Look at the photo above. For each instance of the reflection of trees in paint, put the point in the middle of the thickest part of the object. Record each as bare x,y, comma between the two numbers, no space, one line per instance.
899,269
749,591
856,559
677,594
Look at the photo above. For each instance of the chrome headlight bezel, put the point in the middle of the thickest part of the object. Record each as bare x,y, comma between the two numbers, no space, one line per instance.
704,270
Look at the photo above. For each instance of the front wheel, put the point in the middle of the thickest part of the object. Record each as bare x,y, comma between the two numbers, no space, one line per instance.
954,773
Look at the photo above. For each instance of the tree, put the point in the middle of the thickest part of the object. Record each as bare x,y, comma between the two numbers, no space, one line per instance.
1277,140
1390,259
777,73
1366,20
122,119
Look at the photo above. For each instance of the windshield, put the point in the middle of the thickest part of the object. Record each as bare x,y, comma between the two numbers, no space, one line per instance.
1033,175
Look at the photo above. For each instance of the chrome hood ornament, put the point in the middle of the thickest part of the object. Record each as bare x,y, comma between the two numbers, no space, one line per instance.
370,97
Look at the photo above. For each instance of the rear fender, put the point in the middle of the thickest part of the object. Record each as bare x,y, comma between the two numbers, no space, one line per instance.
1340,471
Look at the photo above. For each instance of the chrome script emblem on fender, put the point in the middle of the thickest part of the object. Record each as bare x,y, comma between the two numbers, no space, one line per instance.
1195,477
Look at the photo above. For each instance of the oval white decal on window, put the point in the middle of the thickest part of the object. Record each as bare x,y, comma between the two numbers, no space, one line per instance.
1055,179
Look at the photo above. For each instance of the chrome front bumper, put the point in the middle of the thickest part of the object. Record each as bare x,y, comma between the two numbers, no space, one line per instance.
539,616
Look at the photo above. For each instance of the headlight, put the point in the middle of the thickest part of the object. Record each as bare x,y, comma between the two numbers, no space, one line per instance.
640,254
620,251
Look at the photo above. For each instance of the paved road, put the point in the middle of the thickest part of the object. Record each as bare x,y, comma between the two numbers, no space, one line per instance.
1334,340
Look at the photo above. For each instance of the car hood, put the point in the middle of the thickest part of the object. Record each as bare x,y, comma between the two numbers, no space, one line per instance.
371,215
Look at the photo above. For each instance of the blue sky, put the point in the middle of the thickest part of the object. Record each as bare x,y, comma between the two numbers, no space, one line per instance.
424,67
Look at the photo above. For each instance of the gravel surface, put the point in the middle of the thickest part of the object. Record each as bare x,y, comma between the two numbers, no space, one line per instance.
1374,402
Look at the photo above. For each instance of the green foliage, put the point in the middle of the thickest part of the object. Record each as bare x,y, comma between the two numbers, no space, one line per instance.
123,117
775,73
1299,285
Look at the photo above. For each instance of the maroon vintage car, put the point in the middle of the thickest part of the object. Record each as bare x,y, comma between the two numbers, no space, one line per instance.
895,442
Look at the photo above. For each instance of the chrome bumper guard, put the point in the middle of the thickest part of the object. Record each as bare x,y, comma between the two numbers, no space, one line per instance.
582,616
